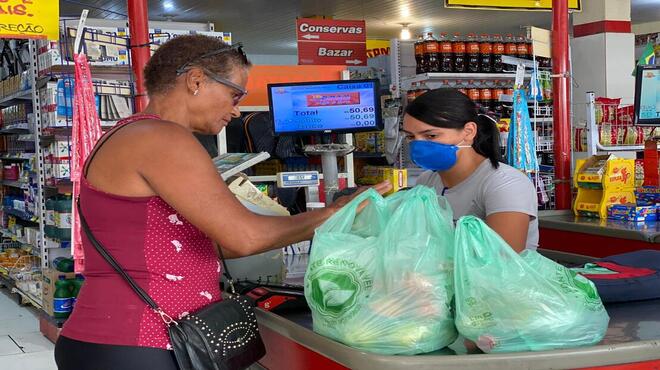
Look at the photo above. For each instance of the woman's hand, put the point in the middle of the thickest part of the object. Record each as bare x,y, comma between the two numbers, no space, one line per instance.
381,188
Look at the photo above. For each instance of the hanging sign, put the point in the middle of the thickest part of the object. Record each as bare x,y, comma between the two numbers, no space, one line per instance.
543,5
331,42
376,48
35,19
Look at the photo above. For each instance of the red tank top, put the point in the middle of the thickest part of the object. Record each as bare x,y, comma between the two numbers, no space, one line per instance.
172,260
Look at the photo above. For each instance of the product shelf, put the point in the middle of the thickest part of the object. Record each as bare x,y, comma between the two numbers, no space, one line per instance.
407,82
16,184
25,216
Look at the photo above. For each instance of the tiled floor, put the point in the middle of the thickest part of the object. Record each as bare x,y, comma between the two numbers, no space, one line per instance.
22,346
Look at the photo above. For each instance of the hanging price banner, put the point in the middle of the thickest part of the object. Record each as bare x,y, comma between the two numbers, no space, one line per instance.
510,4
30,19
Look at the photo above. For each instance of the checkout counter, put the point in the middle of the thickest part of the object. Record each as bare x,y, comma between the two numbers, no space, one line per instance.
632,342
563,231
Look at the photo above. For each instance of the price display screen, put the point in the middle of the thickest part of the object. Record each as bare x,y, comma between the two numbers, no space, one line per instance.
647,96
325,107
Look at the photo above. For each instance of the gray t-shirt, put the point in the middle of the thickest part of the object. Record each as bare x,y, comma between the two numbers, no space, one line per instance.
489,190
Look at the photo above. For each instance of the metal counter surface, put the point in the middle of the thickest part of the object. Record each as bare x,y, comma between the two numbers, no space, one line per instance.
567,221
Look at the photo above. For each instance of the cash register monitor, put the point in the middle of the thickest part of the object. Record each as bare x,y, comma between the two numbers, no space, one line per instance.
325,107
647,96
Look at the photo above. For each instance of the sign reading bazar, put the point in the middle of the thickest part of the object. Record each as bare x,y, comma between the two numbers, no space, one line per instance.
38,19
331,42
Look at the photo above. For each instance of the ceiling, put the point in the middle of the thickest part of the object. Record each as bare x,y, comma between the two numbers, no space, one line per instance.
268,26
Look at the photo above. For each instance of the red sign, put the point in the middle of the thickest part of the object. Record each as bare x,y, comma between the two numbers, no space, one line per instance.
333,42
333,99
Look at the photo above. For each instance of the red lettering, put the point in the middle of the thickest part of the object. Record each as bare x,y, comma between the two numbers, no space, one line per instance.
20,9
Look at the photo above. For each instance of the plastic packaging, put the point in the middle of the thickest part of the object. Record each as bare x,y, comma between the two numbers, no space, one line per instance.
381,280
507,302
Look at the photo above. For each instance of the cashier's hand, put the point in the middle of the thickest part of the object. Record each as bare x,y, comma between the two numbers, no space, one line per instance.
381,188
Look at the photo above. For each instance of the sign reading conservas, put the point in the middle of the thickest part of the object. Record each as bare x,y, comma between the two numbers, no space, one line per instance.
30,19
510,4
331,42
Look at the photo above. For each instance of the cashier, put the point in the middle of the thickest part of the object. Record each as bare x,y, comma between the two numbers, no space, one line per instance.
460,149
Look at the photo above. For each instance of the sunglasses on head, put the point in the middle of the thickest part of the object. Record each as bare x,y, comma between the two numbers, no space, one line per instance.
237,48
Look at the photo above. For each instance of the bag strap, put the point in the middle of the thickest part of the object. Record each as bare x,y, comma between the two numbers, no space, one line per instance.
115,265
225,271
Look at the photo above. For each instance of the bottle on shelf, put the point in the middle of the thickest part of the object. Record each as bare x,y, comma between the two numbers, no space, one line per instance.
473,53
473,93
63,264
521,46
497,105
446,54
511,50
419,54
486,99
460,58
485,54
62,301
431,53
462,90
412,93
63,209
498,51
49,224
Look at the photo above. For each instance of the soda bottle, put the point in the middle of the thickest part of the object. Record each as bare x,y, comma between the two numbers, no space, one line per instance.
474,95
62,298
497,105
76,284
49,227
419,54
498,50
460,58
464,91
431,53
521,46
486,99
63,264
486,54
472,53
411,94
446,54
63,217
510,49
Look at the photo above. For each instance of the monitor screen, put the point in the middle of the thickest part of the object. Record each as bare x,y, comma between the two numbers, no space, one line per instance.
647,96
325,107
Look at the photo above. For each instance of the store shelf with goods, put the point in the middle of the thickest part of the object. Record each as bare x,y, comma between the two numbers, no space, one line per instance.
9,100
17,156
25,216
407,82
28,297
342,175
17,128
101,71
16,184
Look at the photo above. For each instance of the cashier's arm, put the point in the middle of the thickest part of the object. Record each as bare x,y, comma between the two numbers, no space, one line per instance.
512,227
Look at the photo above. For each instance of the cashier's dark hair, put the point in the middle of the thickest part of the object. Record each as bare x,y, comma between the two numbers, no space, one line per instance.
450,108
160,73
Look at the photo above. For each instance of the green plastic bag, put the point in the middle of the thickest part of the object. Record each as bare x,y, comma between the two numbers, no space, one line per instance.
507,302
381,280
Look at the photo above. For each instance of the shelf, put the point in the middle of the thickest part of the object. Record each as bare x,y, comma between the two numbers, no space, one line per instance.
26,137
407,82
18,128
36,302
9,234
111,72
368,155
542,119
12,99
18,157
16,184
21,214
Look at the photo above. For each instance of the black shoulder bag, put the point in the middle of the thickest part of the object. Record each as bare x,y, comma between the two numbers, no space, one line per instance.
221,336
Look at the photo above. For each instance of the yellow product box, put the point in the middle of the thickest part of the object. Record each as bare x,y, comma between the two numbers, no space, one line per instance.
372,175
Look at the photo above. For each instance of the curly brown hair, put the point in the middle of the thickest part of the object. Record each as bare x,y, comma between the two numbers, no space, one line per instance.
161,71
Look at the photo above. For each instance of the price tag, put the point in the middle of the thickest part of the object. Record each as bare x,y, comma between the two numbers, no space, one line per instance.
520,75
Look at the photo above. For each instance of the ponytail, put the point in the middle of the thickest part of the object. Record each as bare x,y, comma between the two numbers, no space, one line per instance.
487,141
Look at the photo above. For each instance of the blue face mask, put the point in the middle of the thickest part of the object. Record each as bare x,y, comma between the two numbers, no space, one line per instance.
433,156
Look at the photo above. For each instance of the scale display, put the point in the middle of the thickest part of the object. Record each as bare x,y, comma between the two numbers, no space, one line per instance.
647,96
325,107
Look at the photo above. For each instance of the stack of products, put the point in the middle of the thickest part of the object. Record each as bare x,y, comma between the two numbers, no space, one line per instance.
58,217
15,116
370,142
60,288
471,53
58,161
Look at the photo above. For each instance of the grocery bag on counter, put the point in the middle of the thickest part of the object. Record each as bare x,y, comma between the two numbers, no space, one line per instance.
380,280
507,302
